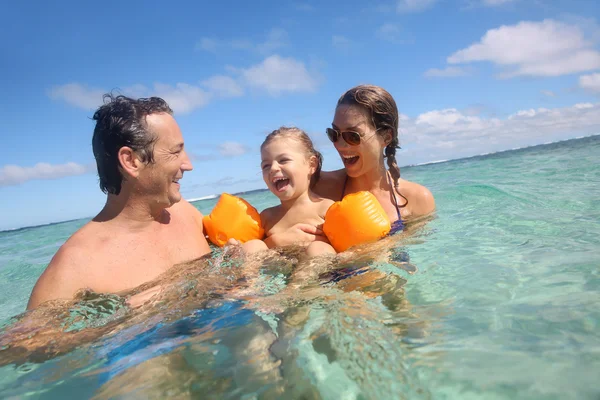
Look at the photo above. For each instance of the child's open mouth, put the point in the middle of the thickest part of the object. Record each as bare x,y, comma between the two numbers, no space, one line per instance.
281,184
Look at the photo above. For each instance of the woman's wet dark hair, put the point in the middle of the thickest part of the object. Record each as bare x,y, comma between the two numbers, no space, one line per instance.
120,122
301,136
383,113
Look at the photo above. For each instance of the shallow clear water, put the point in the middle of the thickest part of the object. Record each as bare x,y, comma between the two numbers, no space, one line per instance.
504,304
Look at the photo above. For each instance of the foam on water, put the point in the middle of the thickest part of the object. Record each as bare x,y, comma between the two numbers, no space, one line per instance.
503,305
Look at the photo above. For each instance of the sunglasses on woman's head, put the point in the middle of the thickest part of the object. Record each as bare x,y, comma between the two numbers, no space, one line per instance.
352,138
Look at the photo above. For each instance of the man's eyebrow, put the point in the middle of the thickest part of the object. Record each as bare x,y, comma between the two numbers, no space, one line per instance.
177,147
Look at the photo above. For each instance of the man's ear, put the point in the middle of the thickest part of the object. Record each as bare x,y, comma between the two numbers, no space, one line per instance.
130,163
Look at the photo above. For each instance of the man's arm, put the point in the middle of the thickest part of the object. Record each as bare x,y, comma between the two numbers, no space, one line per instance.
58,281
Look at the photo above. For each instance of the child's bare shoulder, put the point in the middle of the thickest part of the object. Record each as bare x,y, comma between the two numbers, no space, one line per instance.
322,204
326,202
268,216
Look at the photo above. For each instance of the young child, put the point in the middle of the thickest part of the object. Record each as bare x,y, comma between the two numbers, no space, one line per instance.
290,168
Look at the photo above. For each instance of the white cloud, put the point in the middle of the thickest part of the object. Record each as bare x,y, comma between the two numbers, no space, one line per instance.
450,134
410,6
495,3
232,149
78,95
202,157
389,32
451,121
207,44
590,82
547,48
230,181
182,97
14,174
223,86
448,72
277,75
304,7
340,42
276,38
223,150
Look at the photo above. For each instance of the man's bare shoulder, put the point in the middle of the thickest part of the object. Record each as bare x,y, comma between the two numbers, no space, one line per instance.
420,199
64,275
78,248
184,210
185,207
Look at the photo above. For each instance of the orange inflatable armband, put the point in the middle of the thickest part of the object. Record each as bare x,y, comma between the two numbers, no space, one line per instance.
232,218
357,218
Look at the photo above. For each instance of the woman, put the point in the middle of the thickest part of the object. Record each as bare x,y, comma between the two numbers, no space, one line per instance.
364,131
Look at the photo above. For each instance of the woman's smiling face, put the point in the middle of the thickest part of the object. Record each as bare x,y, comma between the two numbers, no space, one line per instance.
365,156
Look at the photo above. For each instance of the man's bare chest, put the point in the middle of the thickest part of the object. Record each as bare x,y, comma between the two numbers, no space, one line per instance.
126,262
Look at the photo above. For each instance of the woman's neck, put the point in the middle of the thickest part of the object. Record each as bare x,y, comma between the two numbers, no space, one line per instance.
373,180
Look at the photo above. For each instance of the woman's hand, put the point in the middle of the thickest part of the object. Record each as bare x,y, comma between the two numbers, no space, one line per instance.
297,234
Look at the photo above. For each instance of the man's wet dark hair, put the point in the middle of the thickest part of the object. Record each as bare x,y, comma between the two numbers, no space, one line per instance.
120,122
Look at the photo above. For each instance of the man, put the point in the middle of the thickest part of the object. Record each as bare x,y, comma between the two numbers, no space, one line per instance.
145,227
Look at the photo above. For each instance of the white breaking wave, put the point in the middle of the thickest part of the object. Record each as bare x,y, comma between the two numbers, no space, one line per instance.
210,196
429,162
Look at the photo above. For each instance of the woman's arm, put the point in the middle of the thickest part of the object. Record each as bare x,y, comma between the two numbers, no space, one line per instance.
330,184
420,199
297,234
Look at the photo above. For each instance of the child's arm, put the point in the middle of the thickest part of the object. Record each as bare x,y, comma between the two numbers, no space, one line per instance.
256,245
319,248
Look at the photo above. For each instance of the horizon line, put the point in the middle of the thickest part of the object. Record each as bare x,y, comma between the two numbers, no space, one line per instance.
214,196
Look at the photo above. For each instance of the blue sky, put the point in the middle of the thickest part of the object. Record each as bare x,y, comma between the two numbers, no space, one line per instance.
469,77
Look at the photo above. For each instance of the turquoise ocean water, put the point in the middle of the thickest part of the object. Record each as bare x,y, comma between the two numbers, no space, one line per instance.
504,305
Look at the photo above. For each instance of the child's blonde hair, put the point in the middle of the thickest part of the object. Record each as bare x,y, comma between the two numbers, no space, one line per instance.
301,136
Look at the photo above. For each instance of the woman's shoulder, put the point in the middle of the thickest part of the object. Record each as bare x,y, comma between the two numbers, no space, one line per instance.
420,199
330,184
336,175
